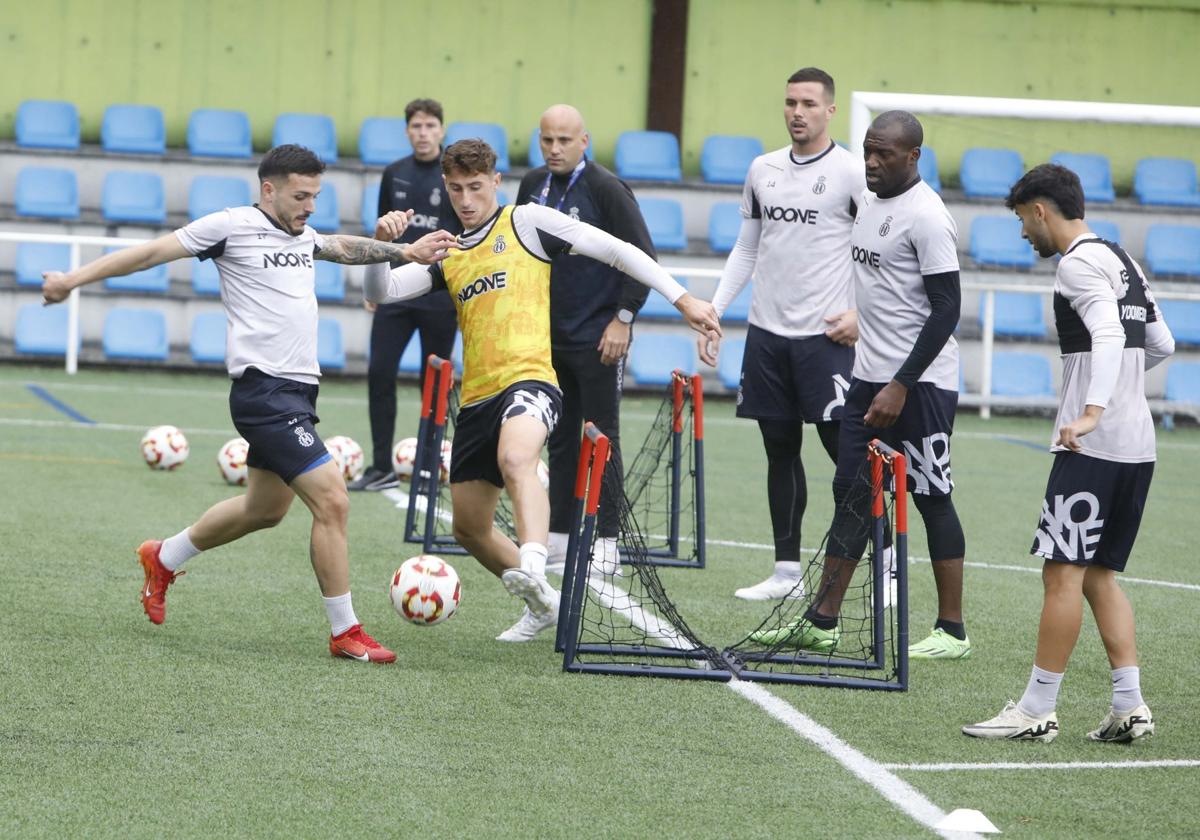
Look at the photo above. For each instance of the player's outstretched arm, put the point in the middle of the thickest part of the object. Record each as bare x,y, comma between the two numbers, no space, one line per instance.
56,285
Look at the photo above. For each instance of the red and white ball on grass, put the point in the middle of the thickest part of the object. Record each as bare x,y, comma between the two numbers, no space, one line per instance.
348,456
231,461
164,448
425,590
404,455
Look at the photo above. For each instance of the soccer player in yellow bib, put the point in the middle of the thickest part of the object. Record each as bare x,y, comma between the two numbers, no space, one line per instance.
498,275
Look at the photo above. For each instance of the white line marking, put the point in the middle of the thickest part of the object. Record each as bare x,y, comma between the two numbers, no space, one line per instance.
1046,765
105,427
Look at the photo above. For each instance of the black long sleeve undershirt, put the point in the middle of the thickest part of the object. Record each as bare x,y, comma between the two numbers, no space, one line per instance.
945,301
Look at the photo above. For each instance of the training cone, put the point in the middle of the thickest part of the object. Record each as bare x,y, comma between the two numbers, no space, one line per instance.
967,819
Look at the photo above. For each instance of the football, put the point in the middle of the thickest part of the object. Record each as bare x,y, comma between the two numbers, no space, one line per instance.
348,456
231,461
164,448
404,453
425,590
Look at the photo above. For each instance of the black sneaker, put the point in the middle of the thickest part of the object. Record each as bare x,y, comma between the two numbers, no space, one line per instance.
374,480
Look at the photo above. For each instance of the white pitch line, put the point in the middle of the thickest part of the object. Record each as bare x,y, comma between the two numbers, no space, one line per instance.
1045,765
104,427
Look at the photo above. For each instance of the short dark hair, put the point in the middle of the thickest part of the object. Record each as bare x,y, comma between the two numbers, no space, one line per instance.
813,74
469,156
288,159
1052,182
911,131
430,106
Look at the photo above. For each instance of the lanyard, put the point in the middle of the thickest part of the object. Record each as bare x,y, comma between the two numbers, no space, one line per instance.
545,193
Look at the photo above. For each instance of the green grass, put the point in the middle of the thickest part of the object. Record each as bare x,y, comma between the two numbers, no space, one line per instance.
232,719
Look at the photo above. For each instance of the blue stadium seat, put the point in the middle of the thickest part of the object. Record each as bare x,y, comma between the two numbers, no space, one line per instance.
1183,382
996,240
134,197
1166,181
208,337
729,363
325,215
35,257
313,131
331,283
648,156
927,168
370,207
1173,249
724,224
1105,230
46,124
490,133
330,352
1021,375
410,359
216,133
213,193
133,128
664,219
382,140
1183,317
738,310
1094,173
1018,314
42,330
206,280
47,193
535,150
655,356
725,159
989,173
148,280
657,306
135,334
502,198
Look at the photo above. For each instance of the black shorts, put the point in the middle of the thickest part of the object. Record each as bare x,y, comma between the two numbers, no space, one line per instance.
1092,510
277,417
477,428
922,432
801,379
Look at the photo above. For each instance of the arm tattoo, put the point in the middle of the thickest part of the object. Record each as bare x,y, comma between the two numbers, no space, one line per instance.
358,250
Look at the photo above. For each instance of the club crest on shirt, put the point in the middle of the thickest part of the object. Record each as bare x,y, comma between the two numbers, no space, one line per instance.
819,187
435,197
574,213
500,245
886,227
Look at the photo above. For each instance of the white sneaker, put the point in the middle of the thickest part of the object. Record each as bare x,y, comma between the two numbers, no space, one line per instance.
1014,725
537,593
1121,729
774,588
528,626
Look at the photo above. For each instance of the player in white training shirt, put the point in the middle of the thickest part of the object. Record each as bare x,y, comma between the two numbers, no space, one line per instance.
1110,332
798,208
905,385
264,256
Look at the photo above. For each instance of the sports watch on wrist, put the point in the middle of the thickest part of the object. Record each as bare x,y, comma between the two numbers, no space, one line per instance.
625,316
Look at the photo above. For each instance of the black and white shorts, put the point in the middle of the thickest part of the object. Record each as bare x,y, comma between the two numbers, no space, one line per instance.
1092,510
922,432
278,418
477,428
793,378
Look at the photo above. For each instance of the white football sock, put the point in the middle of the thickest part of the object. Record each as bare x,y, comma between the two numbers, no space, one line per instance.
557,547
177,550
1041,694
533,559
788,569
1127,689
340,612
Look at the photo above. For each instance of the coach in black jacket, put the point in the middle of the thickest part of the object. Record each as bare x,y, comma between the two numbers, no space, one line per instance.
592,307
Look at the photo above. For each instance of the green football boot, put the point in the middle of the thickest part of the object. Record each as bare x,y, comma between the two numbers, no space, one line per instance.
799,634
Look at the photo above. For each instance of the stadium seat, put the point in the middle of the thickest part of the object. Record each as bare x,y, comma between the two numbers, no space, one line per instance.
45,124
370,207
47,193
729,363
42,330
1021,375
205,278
664,219
330,352
134,197
1166,181
133,128
996,240
331,283
654,356
738,310
135,334
535,150
928,169
1183,382
502,198
217,133
726,159
1018,314
382,140
724,224
410,359
989,173
1183,318
208,337
35,257
648,156
213,193
313,131
490,133
148,280
325,215
1105,230
1173,249
1094,173
657,306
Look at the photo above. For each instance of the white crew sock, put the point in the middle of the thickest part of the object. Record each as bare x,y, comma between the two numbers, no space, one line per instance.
340,612
1041,694
788,569
533,559
1127,689
177,550
557,547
